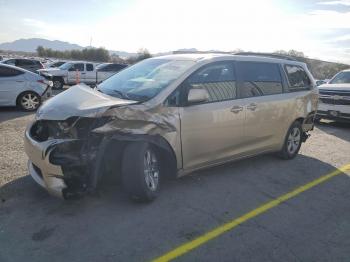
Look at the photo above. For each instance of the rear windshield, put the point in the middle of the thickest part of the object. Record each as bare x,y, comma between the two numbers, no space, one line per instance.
297,78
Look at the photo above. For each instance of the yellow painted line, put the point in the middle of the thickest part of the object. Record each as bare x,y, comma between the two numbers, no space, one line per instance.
187,247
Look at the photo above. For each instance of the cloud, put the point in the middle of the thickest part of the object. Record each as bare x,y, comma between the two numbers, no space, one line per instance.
338,2
161,25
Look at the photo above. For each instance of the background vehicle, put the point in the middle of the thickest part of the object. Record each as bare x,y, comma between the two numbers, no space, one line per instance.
70,73
55,64
106,70
28,64
334,102
320,82
19,87
170,115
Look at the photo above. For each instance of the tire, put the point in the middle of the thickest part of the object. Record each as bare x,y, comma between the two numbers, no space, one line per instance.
57,83
141,171
29,101
292,142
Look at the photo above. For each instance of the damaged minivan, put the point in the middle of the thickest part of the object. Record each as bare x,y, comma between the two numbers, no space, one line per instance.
169,116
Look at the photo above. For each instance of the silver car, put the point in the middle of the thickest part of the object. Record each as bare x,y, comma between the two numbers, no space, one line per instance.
29,64
169,116
19,87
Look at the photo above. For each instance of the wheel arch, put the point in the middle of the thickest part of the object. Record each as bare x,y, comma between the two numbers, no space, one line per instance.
111,150
23,92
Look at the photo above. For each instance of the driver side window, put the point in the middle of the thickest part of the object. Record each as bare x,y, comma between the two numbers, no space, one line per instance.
217,78
77,67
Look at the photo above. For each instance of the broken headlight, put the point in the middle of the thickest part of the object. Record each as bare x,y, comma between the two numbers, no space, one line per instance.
71,128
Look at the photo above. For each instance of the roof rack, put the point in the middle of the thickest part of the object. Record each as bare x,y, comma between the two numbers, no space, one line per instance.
278,56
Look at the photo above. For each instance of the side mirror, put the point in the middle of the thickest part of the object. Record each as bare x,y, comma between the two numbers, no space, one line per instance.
197,95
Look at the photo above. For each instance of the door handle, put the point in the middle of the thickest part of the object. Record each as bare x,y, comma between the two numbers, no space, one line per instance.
252,106
19,81
83,73
236,109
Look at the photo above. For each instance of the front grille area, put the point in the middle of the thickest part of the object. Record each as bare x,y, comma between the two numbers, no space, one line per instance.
333,97
332,101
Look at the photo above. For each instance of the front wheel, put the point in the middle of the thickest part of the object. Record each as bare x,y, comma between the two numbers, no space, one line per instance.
57,83
29,101
292,142
141,171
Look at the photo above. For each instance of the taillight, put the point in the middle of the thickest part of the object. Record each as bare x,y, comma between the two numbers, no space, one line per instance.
41,81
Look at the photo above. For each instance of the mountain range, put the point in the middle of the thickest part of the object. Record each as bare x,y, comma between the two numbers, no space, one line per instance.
30,45
320,69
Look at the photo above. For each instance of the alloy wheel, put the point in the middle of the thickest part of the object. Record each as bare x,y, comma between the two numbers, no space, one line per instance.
151,170
293,141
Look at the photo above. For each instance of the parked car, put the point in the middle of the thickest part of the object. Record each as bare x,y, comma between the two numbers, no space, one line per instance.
70,73
28,64
55,64
106,70
334,101
169,116
320,82
22,88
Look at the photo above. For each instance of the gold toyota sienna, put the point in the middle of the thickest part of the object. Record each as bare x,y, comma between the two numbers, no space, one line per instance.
169,116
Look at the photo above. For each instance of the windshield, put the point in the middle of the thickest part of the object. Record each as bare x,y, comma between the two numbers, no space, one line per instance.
145,79
65,66
341,78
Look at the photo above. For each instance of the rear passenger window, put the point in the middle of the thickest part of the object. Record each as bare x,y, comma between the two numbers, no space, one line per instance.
218,79
89,67
297,78
8,72
259,79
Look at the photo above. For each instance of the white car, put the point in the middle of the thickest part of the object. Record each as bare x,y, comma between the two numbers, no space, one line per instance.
334,102
71,73
22,88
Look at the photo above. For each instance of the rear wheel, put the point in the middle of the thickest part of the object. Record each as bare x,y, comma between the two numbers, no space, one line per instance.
141,171
29,101
292,142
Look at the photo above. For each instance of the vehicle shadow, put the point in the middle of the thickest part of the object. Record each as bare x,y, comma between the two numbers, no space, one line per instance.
107,222
338,129
9,113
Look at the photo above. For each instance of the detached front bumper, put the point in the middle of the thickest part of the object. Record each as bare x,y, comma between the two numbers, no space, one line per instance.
42,171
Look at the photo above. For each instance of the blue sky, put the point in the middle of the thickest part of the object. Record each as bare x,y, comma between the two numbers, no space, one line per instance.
318,28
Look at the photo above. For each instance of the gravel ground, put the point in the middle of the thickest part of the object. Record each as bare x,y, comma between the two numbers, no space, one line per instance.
107,227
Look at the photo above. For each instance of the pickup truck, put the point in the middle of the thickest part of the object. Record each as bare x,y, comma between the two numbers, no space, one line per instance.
71,73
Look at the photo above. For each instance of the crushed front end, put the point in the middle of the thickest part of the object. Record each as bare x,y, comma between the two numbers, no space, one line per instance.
62,154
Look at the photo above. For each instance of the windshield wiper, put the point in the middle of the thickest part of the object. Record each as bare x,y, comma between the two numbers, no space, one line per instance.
120,94
139,98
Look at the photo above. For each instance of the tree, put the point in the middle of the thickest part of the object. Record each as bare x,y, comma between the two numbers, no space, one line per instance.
89,54
142,54
40,50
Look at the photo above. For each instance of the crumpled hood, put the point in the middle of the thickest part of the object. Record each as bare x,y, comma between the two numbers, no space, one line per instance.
335,87
79,100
